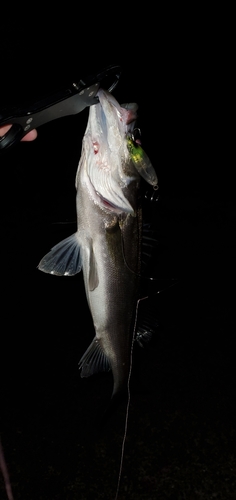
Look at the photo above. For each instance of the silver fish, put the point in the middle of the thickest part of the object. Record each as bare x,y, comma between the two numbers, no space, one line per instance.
107,244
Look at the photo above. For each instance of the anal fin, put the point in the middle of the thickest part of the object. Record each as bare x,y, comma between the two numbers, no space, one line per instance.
94,360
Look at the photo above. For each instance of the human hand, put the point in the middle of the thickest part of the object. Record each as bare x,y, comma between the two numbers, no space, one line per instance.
28,137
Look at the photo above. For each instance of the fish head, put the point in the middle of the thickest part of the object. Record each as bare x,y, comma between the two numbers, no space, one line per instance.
113,162
105,157
109,126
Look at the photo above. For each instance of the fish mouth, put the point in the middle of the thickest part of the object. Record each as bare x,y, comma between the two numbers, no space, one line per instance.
127,112
109,167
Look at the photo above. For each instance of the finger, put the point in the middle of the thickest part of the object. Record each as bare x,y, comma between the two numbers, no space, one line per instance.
4,130
28,137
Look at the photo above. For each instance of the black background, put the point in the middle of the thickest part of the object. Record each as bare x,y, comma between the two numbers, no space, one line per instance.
181,428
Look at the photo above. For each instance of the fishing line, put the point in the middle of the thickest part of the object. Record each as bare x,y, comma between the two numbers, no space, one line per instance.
129,395
128,402
131,362
125,261
4,469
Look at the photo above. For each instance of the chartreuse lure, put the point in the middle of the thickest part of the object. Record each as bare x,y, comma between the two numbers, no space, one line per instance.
141,162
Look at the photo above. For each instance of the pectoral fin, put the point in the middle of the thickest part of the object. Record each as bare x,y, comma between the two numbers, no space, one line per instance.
63,259
93,360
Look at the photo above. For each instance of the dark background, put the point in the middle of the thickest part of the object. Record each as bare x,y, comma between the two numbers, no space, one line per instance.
181,428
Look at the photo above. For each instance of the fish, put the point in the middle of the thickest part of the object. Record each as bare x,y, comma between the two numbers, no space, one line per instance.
108,240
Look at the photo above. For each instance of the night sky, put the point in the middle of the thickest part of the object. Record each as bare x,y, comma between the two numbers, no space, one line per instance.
181,427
